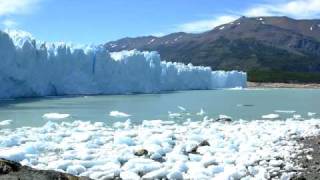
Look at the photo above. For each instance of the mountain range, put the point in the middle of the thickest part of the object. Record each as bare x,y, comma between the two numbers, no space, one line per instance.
270,49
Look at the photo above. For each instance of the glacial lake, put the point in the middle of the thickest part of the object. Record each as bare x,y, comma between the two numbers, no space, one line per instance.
245,104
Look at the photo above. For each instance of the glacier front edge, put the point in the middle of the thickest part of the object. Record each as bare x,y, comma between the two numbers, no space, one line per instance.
30,69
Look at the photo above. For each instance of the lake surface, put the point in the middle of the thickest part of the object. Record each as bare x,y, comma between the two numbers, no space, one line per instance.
239,104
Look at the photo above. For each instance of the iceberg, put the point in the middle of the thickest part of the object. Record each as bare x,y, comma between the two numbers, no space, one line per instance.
53,116
34,68
119,114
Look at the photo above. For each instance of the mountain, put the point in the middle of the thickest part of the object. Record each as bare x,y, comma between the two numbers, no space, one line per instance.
262,46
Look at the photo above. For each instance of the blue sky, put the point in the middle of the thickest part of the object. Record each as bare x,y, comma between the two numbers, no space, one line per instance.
99,21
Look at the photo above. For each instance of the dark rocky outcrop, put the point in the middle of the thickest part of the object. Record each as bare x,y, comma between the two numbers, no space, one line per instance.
10,170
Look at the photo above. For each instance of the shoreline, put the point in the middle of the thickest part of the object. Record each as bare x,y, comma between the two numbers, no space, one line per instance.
309,159
253,85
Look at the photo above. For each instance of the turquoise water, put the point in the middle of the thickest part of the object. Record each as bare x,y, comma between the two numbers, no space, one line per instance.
239,104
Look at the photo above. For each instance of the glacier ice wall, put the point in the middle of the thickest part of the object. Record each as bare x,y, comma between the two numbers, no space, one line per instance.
29,68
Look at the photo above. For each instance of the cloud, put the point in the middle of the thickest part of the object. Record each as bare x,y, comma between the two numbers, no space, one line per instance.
10,7
8,23
205,25
292,8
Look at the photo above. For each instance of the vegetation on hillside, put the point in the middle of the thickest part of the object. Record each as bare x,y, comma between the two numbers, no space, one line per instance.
283,77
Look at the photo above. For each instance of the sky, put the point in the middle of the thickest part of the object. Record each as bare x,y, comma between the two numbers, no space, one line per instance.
100,21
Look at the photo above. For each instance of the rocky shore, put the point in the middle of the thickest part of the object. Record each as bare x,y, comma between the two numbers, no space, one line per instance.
282,85
10,170
309,160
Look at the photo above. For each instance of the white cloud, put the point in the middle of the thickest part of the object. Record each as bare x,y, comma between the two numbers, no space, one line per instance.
292,8
9,7
8,23
205,25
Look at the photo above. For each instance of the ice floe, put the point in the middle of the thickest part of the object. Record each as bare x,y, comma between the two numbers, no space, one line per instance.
53,116
5,122
174,115
118,114
297,117
201,112
285,111
270,116
311,114
182,108
159,149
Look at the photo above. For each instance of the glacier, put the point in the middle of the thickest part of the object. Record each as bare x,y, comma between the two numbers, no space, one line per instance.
32,68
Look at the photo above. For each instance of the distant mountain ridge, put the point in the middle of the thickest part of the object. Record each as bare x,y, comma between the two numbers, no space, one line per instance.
265,44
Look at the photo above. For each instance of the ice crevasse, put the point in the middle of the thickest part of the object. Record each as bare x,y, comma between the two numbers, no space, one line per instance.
30,68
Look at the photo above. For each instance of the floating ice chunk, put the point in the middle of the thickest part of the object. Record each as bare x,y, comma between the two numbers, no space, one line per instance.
141,166
124,125
157,174
13,154
59,164
128,175
201,112
156,123
118,114
182,108
222,116
109,171
123,139
209,161
76,169
197,171
311,114
297,116
5,122
270,116
98,124
81,137
230,172
216,169
276,163
55,116
180,166
9,141
235,88
175,175
103,174
92,163
174,115
285,111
